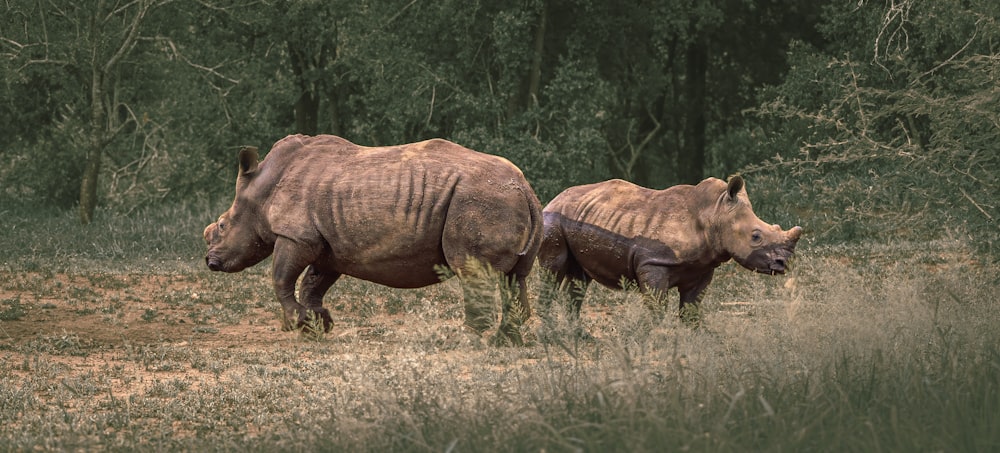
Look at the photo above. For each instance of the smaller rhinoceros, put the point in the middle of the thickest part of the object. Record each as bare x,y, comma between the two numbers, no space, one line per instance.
659,239
391,215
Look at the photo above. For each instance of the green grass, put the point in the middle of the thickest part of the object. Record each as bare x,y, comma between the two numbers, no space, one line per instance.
862,347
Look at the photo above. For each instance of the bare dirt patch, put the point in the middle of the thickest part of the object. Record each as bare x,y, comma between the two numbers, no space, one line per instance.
76,325
146,332
117,309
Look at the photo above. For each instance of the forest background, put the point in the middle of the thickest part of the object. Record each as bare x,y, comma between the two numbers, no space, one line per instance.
858,120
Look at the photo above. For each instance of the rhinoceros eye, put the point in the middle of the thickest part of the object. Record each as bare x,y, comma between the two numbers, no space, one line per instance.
756,237
222,226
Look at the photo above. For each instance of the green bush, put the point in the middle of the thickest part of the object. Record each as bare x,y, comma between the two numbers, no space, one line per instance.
892,142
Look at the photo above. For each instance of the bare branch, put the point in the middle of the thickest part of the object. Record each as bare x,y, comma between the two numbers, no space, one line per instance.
649,137
635,150
398,13
130,39
951,58
114,130
430,111
897,12
120,9
213,71
212,6
980,208
13,44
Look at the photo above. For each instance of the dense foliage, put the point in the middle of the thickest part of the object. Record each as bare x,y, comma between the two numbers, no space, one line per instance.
893,130
859,119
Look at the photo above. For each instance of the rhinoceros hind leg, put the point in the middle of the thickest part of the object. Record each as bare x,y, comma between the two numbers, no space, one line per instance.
479,282
577,291
314,286
478,286
516,310
564,272
477,295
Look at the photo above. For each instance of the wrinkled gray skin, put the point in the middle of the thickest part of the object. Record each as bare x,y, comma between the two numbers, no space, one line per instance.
659,239
389,215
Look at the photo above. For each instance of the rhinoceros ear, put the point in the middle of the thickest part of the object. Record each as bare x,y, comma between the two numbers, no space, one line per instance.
735,186
248,159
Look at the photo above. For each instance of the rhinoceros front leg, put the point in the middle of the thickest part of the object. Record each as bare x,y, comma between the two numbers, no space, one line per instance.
691,295
654,280
567,276
290,259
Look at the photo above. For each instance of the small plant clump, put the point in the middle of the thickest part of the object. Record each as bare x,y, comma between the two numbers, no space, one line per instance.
13,309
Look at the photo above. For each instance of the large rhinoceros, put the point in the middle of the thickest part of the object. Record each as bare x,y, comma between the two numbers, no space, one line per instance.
659,239
389,215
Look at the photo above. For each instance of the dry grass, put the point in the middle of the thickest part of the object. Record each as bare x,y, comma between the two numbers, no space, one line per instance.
861,347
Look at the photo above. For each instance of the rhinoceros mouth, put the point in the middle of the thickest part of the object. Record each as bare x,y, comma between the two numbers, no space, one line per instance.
216,264
770,262
213,264
777,267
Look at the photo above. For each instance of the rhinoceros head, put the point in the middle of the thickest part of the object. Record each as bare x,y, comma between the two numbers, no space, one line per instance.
234,240
751,242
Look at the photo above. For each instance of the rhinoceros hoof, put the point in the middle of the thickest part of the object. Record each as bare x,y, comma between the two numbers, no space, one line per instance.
287,325
315,320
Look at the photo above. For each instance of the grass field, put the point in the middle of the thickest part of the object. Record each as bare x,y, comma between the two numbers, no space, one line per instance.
115,336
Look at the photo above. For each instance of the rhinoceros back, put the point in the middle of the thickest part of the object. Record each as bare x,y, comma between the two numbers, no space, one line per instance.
622,208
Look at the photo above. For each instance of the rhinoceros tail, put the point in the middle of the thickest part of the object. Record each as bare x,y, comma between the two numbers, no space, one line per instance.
534,241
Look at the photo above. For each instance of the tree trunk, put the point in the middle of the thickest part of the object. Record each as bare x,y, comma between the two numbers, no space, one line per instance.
528,87
336,126
691,159
88,185
307,105
307,113
98,121
95,148
535,79
104,57
673,112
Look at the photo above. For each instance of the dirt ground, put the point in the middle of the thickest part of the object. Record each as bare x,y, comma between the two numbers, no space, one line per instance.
78,337
53,315
80,326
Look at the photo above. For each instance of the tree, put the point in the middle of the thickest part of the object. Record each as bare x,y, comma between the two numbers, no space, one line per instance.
89,43
116,98
573,91
893,127
682,73
112,34
313,48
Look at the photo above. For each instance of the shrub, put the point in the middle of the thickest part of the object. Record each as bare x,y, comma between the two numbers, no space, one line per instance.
902,145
